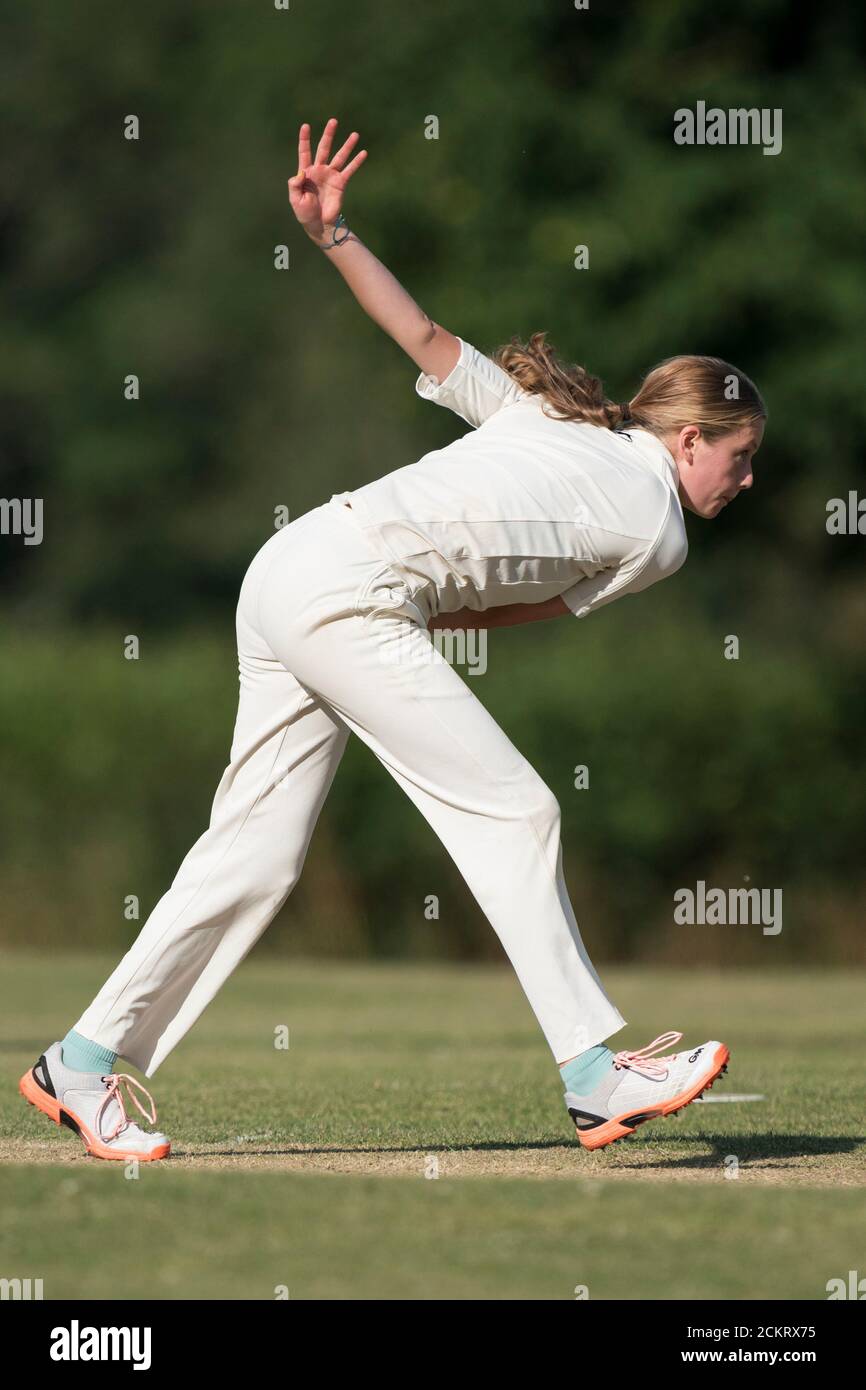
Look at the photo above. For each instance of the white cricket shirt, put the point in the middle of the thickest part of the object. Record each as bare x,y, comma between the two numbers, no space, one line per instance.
523,507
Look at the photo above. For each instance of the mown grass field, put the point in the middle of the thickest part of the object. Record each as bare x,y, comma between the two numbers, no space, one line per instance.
310,1167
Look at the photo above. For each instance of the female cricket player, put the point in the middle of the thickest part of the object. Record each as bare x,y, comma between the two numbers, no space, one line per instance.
547,507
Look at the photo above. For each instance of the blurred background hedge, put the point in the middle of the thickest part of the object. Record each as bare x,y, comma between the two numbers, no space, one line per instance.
263,388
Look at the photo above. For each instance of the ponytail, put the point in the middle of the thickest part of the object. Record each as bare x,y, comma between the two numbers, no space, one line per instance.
685,390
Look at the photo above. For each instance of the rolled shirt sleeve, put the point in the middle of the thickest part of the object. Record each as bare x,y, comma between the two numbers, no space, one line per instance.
474,389
588,594
649,562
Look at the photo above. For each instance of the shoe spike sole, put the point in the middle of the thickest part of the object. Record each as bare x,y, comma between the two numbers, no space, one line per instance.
630,1133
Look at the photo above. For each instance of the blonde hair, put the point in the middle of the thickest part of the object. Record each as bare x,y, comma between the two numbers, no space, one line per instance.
685,390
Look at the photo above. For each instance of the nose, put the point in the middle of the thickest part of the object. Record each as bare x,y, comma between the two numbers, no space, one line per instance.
748,480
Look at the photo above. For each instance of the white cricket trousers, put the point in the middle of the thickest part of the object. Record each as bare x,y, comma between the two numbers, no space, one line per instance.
328,643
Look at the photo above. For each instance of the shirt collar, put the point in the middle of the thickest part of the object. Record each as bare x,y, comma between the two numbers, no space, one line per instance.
656,454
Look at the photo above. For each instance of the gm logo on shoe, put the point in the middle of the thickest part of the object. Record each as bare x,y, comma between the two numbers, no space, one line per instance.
695,1055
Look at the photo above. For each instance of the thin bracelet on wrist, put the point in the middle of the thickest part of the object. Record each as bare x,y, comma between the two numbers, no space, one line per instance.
335,240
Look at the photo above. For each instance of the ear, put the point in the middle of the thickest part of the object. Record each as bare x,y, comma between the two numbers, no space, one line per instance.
688,438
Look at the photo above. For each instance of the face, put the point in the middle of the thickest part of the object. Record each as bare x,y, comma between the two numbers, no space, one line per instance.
712,475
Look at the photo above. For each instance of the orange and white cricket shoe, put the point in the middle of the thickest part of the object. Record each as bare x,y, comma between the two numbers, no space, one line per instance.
641,1087
92,1107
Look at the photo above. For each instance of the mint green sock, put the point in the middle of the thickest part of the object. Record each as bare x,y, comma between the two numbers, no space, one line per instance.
582,1074
80,1054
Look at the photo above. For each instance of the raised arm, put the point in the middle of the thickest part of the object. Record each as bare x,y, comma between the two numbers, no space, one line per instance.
316,196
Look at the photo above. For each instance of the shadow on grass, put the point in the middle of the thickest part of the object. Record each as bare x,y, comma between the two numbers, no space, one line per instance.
760,1149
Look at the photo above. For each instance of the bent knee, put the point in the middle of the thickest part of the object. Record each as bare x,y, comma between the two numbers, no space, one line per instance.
544,810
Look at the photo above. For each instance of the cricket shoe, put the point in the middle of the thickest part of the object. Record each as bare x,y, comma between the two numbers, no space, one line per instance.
92,1106
641,1087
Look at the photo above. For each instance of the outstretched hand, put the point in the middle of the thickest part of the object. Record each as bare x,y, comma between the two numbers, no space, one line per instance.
316,191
